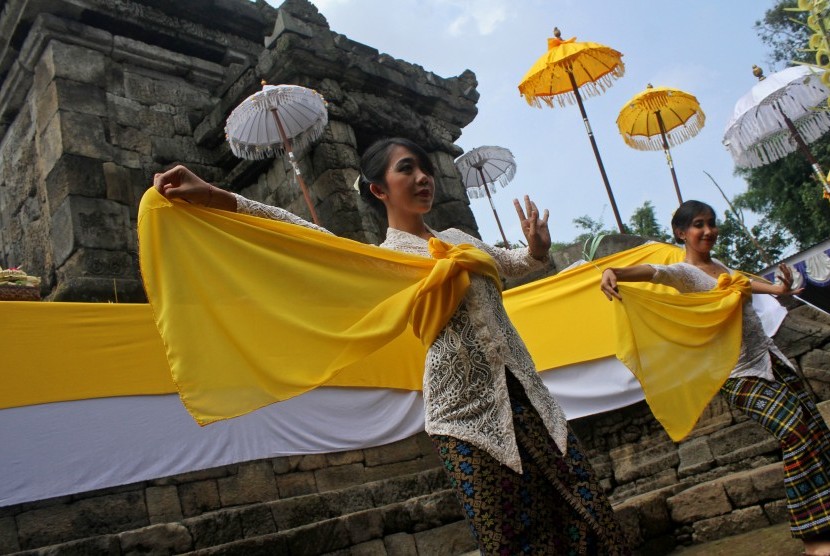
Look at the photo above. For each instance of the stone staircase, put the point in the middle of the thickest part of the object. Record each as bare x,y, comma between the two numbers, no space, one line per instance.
393,499
723,480
712,486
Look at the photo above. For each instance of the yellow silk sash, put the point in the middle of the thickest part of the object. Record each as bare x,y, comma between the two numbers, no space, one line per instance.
253,311
681,347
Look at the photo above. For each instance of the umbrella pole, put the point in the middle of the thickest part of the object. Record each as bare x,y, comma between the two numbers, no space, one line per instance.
596,153
668,155
492,206
805,150
287,142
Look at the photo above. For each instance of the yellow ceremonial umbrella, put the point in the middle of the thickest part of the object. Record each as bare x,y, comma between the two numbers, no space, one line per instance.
659,117
566,71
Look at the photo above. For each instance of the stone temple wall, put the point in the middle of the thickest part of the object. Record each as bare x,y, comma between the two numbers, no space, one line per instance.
98,95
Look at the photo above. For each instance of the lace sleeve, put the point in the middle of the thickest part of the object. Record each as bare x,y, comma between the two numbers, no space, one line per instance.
514,263
255,208
682,277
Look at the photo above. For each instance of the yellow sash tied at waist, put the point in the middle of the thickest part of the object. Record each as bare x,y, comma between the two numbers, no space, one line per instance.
736,283
441,292
253,311
681,347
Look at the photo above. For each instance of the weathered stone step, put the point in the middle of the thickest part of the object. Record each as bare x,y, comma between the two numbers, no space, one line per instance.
426,525
722,507
259,519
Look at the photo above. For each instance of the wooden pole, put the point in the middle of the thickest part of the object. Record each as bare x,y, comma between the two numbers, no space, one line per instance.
492,206
287,142
596,153
805,150
668,155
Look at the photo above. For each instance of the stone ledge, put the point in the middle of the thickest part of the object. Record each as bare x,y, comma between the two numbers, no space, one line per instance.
422,522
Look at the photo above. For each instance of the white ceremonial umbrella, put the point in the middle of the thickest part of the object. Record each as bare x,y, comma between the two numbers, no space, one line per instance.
780,114
481,169
277,119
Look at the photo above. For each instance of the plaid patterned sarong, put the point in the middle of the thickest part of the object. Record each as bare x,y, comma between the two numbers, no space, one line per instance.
785,409
555,507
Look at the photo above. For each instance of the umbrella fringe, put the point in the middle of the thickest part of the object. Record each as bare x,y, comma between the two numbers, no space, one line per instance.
675,137
586,90
252,151
780,144
746,131
477,192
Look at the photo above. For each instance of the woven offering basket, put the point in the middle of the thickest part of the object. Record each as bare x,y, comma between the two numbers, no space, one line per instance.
16,285
10,292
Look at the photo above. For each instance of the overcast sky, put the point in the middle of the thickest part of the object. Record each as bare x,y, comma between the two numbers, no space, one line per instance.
704,47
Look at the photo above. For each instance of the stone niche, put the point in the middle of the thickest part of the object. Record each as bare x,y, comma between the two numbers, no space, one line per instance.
96,96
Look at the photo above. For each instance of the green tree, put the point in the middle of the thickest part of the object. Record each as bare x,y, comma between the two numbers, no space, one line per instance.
785,33
736,248
589,227
788,196
644,223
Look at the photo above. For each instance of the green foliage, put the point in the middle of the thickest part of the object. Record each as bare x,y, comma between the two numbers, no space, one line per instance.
644,223
589,227
589,248
785,32
789,197
737,249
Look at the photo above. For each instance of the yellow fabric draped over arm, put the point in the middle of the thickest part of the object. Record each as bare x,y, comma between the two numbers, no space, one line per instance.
681,347
254,311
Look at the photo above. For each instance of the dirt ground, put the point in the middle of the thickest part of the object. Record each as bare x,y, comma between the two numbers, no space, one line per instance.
772,541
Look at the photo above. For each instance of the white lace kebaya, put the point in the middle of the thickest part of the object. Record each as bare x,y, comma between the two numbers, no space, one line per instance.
465,387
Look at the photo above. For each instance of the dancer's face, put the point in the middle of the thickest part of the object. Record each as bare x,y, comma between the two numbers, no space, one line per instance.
701,234
409,188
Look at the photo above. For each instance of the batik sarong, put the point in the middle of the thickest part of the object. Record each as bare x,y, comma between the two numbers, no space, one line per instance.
555,506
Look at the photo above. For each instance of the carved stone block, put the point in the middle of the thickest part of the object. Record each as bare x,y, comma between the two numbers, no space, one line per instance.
86,222
74,175
71,61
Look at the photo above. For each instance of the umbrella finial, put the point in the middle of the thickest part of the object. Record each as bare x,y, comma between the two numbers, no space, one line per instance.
557,33
757,72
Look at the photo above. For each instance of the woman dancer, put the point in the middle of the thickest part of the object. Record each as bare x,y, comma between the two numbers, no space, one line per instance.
524,484
763,384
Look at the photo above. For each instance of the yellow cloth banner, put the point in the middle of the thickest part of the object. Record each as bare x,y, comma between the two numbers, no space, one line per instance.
256,311
681,347
52,352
